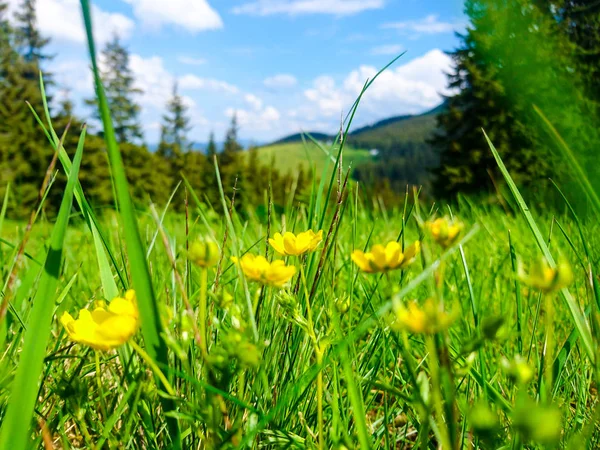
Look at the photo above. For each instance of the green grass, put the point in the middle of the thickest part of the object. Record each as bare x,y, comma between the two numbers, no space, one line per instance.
290,157
365,362
327,361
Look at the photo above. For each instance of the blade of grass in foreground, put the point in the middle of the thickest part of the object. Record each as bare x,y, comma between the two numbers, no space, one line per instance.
570,157
578,318
142,281
15,428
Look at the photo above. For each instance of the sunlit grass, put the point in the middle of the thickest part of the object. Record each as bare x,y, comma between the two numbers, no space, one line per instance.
327,324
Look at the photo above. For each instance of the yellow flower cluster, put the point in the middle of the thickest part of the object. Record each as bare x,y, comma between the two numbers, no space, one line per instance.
258,268
445,231
545,278
290,244
105,327
384,259
429,319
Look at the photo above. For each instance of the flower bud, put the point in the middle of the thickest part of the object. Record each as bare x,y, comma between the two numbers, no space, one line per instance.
204,253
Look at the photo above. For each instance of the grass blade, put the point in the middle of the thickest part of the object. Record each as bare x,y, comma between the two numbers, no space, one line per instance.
140,274
15,427
577,315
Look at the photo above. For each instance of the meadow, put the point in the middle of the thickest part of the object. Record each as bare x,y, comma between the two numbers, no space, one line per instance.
330,322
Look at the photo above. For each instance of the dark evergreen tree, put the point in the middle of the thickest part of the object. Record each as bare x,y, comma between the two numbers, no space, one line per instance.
175,126
211,148
498,79
119,84
26,152
231,145
29,41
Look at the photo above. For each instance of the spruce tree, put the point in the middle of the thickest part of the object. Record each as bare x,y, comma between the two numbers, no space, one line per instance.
498,79
26,152
175,126
231,145
29,41
119,85
211,148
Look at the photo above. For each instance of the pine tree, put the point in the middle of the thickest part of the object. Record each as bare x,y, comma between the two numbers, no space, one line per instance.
211,148
176,125
119,84
498,80
231,145
580,20
26,152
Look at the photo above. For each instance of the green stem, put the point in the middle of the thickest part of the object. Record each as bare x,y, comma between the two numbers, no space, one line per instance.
203,318
148,360
320,397
437,391
100,390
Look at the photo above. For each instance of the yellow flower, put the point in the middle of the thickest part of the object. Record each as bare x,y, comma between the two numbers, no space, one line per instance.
204,253
445,231
104,328
429,319
382,259
543,277
257,268
294,245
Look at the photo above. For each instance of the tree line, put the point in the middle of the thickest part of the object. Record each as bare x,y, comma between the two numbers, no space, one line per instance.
25,152
516,54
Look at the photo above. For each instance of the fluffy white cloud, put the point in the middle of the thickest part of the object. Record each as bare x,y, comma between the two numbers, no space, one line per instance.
392,49
281,80
257,121
254,101
191,61
190,81
61,20
297,7
427,25
409,89
153,79
193,15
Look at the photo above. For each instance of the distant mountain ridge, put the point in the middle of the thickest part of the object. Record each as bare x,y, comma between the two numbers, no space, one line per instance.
424,124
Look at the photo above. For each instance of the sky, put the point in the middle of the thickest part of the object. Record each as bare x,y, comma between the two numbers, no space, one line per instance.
282,66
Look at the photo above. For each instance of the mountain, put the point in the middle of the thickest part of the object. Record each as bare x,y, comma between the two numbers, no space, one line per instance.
385,133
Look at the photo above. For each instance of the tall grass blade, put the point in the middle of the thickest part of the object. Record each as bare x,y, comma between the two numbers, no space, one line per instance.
577,315
567,153
15,428
140,274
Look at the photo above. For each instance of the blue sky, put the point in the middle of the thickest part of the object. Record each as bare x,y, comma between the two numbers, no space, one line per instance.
281,65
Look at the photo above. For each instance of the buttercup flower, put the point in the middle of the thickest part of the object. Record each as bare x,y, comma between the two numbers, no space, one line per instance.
204,253
106,327
445,231
429,319
257,268
294,245
383,259
543,277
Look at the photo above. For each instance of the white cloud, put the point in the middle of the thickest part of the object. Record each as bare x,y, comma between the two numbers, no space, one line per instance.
193,15
281,80
190,81
297,7
153,79
409,89
254,101
427,25
191,61
61,20
392,49
258,121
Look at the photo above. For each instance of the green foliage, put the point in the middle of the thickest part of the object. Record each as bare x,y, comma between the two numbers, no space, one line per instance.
121,91
497,81
24,155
